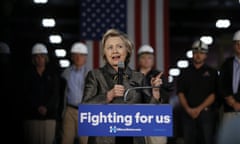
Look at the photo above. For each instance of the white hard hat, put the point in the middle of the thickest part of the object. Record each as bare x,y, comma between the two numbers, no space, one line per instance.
79,47
39,48
145,49
198,45
4,48
236,36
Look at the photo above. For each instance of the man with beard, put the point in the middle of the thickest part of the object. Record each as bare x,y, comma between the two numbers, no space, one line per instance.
196,89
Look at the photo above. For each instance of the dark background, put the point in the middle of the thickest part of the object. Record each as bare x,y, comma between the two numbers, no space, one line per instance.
20,25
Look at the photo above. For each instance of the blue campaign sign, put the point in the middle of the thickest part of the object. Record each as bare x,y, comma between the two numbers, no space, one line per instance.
125,120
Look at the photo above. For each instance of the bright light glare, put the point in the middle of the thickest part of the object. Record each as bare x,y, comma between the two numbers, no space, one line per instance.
55,39
223,23
60,52
170,79
189,54
64,63
207,39
40,1
174,72
182,64
48,22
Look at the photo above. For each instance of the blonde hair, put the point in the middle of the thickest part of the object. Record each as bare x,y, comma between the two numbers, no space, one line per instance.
116,33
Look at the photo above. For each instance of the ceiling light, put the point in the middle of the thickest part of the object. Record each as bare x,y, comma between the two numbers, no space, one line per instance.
40,1
64,63
174,72
48,22
223,23
60,52
182,64
189,54
55,39
170,79
207,39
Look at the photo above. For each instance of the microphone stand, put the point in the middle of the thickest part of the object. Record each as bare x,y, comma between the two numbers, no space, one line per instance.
134,88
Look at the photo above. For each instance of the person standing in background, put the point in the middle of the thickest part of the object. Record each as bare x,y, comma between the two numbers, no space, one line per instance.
146,66
74,77
41,97
230,81
7,97
196,90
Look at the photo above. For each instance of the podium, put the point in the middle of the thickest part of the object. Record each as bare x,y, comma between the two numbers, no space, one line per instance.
125,120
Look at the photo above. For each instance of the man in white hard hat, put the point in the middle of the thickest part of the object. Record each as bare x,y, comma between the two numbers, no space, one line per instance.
196,90
75,80
41,97
146,66
39,54
230,81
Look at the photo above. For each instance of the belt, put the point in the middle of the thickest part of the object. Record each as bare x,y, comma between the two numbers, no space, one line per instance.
72,106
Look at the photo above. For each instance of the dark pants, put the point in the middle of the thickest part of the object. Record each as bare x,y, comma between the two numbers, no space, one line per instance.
129,140
199,130
124,140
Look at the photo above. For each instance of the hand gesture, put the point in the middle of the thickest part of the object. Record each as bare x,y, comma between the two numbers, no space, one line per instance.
157,81
116,91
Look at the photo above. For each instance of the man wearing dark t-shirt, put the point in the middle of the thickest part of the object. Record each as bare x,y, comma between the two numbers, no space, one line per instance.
196,91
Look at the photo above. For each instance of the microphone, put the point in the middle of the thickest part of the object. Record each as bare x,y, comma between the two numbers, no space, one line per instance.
134,88
120,72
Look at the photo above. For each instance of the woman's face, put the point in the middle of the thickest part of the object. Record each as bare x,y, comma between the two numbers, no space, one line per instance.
115,51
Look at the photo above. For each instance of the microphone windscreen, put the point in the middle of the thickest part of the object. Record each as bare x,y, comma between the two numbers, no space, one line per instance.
121,65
